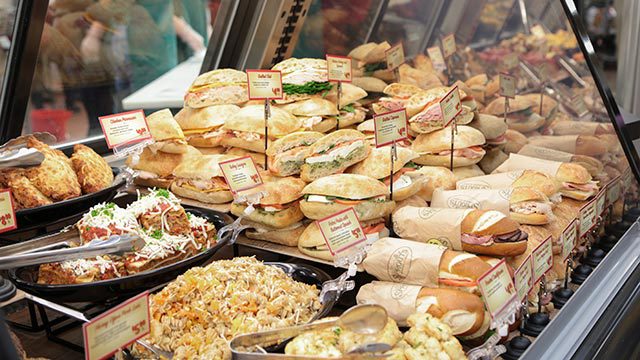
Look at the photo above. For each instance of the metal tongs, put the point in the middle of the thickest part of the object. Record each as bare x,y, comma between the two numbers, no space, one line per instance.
116,244
361,319
15,153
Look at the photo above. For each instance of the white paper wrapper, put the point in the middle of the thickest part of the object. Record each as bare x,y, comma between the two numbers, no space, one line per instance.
405,261
566,143
493,181
430,225
521,162
398,299
545,153
491,199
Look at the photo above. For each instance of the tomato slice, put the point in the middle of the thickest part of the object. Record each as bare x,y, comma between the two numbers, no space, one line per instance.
373,229
347,202
397,175
457,282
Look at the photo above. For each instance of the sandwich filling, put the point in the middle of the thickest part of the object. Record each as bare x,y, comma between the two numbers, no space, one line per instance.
343,201
400,179
532,207
591,186
202,93
369,69
472,152
336,154
246,135
431,116
213,184
500,140
488,240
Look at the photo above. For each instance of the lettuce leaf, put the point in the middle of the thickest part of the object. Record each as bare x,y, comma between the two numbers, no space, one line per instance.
310,88
370,68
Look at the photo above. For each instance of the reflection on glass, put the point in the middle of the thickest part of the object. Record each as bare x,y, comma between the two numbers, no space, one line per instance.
7,17
94,54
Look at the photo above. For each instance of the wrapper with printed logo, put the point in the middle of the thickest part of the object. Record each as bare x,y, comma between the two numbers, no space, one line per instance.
566,143
521,162
404,261
398,299
491,199
545,153
493,181
438,226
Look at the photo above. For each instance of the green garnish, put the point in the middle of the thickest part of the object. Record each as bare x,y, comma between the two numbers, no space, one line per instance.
106,210
156,234
163,193
311,88
370,68
349,108
337,331
412,165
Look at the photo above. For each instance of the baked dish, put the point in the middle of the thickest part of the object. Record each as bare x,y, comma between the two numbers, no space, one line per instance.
196,315
57,178
170,234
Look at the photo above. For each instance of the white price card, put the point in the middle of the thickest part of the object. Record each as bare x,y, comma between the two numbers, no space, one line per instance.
125,128
339,68
342,231
395,56
507,85
587,217
437,59
450,106
523,278
241,174
264,84
390,127
542,257
569,239
449,45
498,290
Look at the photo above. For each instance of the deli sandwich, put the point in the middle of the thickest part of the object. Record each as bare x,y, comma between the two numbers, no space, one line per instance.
166,133
520,115
200,178
334,153
202,127
435,148
287,154
302,79
217,87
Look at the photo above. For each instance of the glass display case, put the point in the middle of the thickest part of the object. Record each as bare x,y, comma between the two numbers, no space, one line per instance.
105,57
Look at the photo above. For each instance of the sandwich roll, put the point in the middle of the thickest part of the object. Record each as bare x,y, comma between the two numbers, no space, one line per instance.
574,144
246,128
312,243
493,158
200,178
302,79
492,233
440,226
461,311
369,83
428,265
287,154
515,141
166,133
397,96
492,127
406,181
549,105
331,194
521,115
287,236
217,87
593,165
258,158
492,181
428,116
435,148
466,172
334,153
156,169
570,127
530,206
202,127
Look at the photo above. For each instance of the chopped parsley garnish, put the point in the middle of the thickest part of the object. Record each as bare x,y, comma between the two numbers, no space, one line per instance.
310,88
156,234
412,165
163,193
106,210
327,149
189,215
337,331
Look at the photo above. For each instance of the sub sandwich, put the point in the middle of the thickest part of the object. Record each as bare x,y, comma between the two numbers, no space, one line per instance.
302,79
202,127
287,154
435,148
333,153
166,133
428,115
370,60
520,115
217,87
156,169
200,178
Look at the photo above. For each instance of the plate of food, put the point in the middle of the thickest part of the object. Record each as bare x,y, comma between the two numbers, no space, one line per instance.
176,238
60,186
197,314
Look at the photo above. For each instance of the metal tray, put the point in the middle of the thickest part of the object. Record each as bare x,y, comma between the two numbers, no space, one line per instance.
25,278
41,215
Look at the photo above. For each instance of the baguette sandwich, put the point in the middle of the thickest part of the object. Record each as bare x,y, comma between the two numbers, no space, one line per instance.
302,79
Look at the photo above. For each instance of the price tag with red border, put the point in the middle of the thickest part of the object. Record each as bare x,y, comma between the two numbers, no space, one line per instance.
542,258
601,202
587,217
241,174
125,128
523,278
342,232
339,68
450,106
569,239
395,56
390,127
510,61
437,59
264,84
613,191
449,45
7,211
498,290
507,85
117,328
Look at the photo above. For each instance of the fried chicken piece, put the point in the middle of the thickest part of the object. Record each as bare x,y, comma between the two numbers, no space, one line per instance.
24,193
94,174
55,177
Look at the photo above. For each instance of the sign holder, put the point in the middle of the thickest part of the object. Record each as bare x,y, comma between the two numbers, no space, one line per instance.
507,90
265,85
450,107
338,70
449,48
542,71
389,128
126,133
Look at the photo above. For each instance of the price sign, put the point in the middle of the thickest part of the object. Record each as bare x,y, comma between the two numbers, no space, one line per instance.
510,61
613,191
7,213
587,217
507,85
342,231
395,56
542,257
437,59
569,239
578,104
264,84
125,128
390,127
498,290
449,45
450,106
117,328
523,278
339,68
537,31
601,202
241,174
